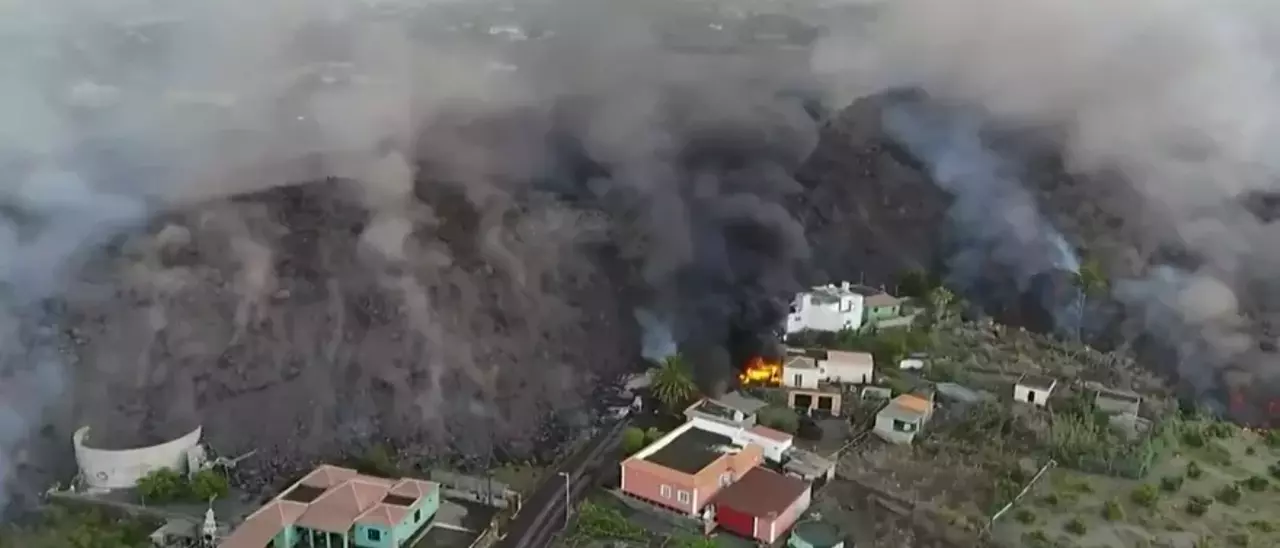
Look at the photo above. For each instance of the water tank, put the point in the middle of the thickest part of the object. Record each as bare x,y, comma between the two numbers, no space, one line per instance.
816,534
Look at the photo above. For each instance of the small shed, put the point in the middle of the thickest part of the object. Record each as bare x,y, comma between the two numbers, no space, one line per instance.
849,367
1034,389
762,504
902,419
913,362
1117,402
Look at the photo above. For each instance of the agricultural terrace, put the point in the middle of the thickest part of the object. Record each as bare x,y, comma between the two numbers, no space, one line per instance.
1217,487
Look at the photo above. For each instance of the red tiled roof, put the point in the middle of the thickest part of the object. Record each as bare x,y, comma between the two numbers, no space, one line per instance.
349,498
762,493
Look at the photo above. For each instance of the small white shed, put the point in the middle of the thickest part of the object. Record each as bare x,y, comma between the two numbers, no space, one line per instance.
849,367
1034,389
913,362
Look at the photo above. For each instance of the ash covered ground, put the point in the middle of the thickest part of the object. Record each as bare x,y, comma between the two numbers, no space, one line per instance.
344,224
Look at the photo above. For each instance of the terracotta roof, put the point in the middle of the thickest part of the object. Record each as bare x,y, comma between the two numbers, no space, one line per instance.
348,498
383,515
261,526
769,433
761,492
326,476
913,403
412,488
339,507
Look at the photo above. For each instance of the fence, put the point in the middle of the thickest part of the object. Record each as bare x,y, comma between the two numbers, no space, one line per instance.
1019,496
482,490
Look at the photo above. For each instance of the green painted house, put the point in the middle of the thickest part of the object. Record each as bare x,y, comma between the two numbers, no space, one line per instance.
335,507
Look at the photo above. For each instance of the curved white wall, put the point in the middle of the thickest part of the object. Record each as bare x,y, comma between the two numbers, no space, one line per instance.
108,469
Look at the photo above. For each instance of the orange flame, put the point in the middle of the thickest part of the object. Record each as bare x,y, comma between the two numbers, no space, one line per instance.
760,371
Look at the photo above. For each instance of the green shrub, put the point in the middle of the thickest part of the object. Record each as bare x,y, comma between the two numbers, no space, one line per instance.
1193,437
1145,496
1075,527
1274,470
1272,438
632,440
162,486
1262,526
1198,505
209,485
780,418
1025,516
1238,539
1035,539
1256,483
652,434
1193,470
1229,495
1220,430
1112,511
1171,484
1250,451
1050,500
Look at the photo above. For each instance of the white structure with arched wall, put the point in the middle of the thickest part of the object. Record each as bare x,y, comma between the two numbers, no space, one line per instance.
105,469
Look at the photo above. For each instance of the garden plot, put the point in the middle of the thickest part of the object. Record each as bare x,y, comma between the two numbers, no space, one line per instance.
1219,484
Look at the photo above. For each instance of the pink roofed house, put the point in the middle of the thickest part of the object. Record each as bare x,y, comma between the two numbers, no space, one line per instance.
334,507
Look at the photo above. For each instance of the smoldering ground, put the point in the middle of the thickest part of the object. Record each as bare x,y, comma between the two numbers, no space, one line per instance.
483,208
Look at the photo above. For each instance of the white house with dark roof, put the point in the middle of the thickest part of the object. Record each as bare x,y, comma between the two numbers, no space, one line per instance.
1034,389
802,372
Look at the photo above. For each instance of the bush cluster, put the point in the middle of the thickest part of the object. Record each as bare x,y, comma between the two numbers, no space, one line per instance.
167,485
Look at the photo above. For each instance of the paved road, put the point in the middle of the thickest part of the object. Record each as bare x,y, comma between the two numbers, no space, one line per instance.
541,515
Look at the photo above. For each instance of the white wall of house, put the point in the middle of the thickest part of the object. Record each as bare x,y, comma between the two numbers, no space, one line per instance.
849,367
1030,395
806,376
809,315
773,449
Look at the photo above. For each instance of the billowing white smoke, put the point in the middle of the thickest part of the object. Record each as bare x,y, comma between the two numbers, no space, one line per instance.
998,221
657,342
1178,97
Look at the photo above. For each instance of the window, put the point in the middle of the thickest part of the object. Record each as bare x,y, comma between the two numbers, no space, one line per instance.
903,426
797,380
846,306
417,515
683,497
374,535
726,479
665,491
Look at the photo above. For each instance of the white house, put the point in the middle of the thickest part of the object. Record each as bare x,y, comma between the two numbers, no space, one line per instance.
802,372
849,367
734,416
826,308
1034,389
913,362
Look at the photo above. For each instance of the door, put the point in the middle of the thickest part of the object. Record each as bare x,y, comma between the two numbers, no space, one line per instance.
801,401
737,522
825,404
1031,396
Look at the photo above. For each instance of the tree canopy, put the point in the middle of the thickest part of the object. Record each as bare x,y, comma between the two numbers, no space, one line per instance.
673,383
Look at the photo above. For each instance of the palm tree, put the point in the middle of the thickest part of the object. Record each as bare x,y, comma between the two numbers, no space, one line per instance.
941,302
673,384
1091,283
